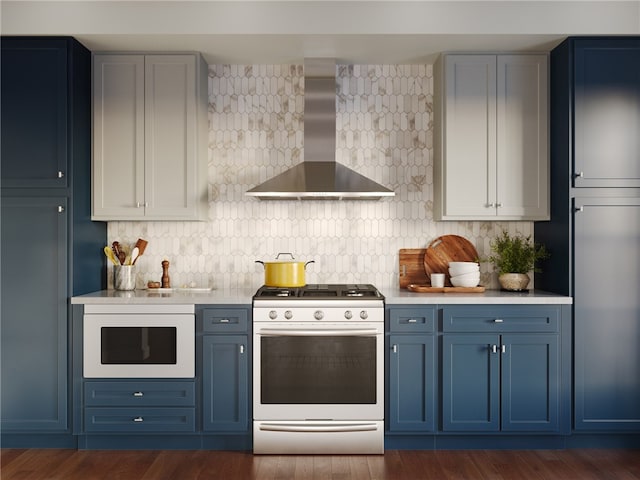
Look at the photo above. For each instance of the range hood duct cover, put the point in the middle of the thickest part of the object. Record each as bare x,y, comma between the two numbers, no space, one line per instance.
319,176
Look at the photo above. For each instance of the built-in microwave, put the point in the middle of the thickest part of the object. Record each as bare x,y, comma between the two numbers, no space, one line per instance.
138,341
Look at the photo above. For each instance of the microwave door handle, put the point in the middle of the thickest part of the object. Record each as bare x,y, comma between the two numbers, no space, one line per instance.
278,332
274,427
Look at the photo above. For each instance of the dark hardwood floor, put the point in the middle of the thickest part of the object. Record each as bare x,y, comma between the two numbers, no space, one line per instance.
36,464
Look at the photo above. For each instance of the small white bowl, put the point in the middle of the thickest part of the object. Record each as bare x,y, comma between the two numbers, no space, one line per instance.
462,269
467,276
458,282
463,264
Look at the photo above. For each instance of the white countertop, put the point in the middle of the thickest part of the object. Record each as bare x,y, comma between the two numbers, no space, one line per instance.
244,296
394,296
240,296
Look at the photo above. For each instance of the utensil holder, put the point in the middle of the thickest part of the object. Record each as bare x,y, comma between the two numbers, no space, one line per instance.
124,277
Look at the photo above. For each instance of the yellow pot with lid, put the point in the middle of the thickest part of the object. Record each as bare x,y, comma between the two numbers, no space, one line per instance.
285,272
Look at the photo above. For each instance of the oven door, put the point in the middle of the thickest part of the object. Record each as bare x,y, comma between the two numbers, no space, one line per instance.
316,373
139,346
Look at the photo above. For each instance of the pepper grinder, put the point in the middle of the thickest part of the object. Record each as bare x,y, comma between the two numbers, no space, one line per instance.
166,282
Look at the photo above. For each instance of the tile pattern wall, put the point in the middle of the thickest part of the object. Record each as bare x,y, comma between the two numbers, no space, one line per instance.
384,131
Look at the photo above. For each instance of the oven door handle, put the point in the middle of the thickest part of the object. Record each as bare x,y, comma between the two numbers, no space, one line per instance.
336,332
284,427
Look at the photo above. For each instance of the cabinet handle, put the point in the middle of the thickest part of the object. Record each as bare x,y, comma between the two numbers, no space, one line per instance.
224,320
60,174
578,175
412,320
498,320
60,209
579,209
494,349
138,394
499,204
503,349
140,205
490,205
138,419
241,348
394,348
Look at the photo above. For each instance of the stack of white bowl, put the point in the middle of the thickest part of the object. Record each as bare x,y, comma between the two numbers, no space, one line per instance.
464,274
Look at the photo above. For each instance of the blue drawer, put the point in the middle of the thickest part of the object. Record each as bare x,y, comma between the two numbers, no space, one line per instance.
502,318
413,319
139,420
140,394
221,320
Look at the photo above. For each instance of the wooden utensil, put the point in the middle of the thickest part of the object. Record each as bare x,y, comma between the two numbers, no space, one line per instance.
445,249
141,245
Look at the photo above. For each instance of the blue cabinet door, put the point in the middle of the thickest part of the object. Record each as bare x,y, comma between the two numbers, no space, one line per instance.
470,382
34,112
225,383
607,112
530,383
607,314
34,314
412,383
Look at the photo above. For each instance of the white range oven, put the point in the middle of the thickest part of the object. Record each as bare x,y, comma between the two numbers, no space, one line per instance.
139,341
318,371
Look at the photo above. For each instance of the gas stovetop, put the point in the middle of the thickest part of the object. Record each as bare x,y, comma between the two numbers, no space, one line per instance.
320,292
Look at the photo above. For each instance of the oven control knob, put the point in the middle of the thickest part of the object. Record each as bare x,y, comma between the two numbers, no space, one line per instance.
364,315
348,315
318,314
288,314
273,314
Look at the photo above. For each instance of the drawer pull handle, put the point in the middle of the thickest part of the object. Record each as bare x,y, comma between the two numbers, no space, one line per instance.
498,320
138,394
224,320
395,348
412,320
503,349
138,419
241,348
60,174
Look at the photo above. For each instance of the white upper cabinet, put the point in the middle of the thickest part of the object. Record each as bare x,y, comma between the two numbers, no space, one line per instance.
149,137
491,137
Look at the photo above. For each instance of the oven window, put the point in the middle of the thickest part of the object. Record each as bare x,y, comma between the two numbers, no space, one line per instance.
138,345
312,370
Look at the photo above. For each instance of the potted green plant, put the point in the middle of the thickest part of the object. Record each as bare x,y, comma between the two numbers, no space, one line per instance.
514,257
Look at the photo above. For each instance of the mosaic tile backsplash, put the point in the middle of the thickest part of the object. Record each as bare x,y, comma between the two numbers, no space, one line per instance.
384,131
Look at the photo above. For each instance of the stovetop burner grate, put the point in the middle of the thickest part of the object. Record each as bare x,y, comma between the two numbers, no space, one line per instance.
334,291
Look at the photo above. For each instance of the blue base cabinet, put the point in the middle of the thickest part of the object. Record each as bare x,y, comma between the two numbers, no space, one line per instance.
225,369
412,369
508,379
478,376
49,246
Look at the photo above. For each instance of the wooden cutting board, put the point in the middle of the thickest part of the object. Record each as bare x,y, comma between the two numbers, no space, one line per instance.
412,267
445,249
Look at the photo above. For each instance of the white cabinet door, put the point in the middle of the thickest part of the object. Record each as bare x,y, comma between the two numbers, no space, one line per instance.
491,138
522,147
118,137
150,133
470,126
170,136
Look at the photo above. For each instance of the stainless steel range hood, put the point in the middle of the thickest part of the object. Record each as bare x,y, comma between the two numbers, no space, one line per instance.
319,176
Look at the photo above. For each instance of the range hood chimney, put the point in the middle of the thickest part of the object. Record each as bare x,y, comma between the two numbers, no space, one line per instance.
319,176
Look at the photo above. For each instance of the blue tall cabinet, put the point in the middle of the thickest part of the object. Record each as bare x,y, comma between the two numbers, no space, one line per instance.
594,232
50,250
